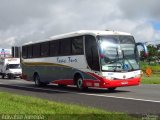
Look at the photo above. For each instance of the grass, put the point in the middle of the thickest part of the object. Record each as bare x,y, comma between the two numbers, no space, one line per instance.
155,76
153,79
11,104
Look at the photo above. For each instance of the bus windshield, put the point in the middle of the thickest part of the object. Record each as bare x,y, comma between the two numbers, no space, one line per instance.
118,53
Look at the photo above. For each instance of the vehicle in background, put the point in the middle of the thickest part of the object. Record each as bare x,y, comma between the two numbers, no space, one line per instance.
10,67
102,59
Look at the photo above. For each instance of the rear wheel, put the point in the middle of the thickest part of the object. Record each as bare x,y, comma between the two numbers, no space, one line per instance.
37,81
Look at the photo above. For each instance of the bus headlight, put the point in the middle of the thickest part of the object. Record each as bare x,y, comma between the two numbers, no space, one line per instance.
138,76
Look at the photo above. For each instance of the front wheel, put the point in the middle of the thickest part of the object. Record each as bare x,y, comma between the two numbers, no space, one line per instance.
79,83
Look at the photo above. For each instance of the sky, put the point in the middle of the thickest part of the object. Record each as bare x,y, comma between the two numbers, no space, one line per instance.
24,21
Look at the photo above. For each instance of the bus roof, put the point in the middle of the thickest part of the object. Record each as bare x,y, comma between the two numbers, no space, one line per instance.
81,32
91,32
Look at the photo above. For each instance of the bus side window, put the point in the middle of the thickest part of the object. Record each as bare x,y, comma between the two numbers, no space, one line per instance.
54,48
92,52
45,49
77,45
24,51
29,51
65,46
36,50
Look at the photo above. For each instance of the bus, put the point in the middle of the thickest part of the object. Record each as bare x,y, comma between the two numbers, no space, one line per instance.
85,58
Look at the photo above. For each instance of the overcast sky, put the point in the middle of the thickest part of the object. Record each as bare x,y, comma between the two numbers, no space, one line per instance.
29,20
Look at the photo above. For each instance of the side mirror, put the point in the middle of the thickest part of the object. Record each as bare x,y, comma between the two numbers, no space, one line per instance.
144,48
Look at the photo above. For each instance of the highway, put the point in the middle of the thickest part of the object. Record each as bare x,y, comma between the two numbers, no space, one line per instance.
143,99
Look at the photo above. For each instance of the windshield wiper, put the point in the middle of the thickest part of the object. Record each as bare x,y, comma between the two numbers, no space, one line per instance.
116,60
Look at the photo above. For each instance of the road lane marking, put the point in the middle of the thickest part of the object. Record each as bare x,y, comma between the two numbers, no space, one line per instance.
89,94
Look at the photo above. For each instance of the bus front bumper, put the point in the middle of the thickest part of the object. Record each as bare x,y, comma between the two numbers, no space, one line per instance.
120,83
105,83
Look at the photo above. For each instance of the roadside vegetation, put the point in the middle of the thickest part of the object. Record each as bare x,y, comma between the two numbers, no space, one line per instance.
154,78
24,105
153,62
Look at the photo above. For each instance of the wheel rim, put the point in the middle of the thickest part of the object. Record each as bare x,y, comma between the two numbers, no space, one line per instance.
80,83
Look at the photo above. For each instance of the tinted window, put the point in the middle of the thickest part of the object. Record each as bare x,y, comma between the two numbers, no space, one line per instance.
24,51
54,48
65,48
77,45
36,50
45,49
29,51
92,52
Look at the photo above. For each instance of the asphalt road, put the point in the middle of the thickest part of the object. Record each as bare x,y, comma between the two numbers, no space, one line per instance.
143,99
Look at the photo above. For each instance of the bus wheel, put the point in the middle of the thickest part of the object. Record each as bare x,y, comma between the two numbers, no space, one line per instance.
112,89
79,83
37,80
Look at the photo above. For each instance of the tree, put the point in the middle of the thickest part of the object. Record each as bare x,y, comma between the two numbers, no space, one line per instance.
158,51
154,53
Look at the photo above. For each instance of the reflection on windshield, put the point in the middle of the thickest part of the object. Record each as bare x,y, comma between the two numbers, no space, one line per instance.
118,53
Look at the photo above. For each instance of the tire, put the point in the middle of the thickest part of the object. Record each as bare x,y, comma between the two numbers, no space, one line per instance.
37,80
79,84
112,89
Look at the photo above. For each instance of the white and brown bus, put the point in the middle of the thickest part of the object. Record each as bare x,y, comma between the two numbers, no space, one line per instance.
86,58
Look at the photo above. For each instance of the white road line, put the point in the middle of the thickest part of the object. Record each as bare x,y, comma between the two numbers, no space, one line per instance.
107,96
127,98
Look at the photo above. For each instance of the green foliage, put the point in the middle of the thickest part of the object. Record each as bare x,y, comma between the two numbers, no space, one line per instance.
24,105
153,79
154,53
12,104
152,50
154,67
155,76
